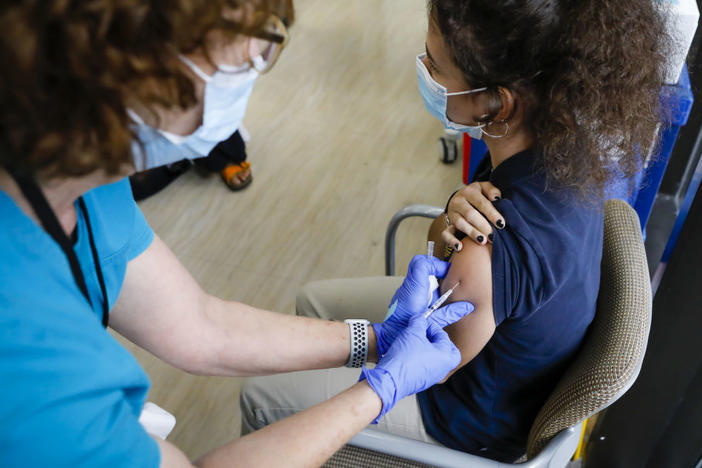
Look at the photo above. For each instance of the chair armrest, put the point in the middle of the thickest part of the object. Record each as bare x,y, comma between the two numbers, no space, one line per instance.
425,211
555,455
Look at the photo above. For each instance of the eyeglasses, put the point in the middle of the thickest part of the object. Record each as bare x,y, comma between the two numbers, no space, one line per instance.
265,48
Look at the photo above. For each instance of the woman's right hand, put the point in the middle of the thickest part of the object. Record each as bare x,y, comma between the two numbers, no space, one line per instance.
414,298
422,355
471,211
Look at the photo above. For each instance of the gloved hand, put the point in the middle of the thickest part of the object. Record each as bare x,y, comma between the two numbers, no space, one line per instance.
421,356
412,298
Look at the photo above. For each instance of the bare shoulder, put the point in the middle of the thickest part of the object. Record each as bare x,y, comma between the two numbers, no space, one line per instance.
471,266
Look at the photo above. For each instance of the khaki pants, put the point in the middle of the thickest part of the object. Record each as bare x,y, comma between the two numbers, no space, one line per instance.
265,400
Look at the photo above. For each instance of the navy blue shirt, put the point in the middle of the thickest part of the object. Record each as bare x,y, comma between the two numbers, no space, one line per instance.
545,278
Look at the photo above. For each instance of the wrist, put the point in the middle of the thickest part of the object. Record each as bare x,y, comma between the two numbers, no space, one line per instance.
359,342
381,345
372,344
383,384
371,400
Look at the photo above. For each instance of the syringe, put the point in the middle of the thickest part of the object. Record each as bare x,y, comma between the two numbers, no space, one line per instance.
440,301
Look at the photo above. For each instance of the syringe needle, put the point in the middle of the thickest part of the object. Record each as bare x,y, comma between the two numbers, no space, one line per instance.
439,302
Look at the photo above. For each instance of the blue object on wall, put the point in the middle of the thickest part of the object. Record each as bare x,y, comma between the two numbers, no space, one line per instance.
478,150
677,102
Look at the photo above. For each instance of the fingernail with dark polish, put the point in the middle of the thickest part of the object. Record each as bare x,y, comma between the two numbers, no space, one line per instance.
480,239
497,198
500,224
456,246
490,236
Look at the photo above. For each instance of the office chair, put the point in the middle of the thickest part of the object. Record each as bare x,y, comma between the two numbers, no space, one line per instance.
603,369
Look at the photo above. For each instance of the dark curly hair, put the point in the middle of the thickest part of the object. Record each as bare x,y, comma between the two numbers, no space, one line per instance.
587,74
68,68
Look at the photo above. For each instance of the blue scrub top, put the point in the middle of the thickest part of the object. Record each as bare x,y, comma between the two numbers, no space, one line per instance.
70,394
545,279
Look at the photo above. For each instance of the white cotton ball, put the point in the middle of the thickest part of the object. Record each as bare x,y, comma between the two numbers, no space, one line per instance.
433,286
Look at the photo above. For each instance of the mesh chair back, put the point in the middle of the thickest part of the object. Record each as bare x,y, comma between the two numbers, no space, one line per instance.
355,457
612,352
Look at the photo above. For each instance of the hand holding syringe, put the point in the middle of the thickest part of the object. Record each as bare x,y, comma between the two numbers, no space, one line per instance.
415,298
440,301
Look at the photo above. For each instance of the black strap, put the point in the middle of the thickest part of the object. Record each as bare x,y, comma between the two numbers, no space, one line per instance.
96,260
449,200
51,225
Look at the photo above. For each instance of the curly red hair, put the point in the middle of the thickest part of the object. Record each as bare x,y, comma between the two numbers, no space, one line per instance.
68,68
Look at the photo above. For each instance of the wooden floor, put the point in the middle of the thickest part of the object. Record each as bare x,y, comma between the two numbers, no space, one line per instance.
340,140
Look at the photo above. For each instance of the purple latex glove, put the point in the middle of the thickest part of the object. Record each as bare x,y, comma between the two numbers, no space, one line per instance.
411,299
421,356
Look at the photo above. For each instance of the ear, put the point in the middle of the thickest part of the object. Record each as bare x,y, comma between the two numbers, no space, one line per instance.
497,104
507,109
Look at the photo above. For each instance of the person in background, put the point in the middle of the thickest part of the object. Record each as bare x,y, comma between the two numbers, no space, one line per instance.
228,159
210,134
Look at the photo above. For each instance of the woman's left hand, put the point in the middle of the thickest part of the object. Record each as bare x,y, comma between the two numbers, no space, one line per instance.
471,211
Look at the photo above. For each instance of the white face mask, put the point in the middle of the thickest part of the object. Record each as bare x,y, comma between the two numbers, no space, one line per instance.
227,94
435,99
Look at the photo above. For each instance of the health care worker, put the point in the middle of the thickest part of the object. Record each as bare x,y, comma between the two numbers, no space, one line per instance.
78,256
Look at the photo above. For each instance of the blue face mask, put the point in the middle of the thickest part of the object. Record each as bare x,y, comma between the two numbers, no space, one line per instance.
435,98
227,93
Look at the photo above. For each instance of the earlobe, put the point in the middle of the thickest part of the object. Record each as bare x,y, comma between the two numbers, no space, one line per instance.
497,105
499,126
507,109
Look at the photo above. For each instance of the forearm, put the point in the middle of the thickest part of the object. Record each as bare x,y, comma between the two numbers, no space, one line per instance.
243,340
162,309
304,439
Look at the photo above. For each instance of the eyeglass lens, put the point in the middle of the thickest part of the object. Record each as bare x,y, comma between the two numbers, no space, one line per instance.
267,49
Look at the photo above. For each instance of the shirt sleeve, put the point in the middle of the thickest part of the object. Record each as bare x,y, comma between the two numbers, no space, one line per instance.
142,234
119,226
518,275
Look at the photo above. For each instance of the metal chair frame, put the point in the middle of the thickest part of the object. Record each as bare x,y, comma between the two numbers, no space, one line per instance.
424,211
555,455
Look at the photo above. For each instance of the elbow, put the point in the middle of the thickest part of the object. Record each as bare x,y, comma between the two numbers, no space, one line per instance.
207,358
191,361
200,353
207,367
195,370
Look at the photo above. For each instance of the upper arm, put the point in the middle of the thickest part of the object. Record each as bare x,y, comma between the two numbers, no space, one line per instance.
160,307
472,267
